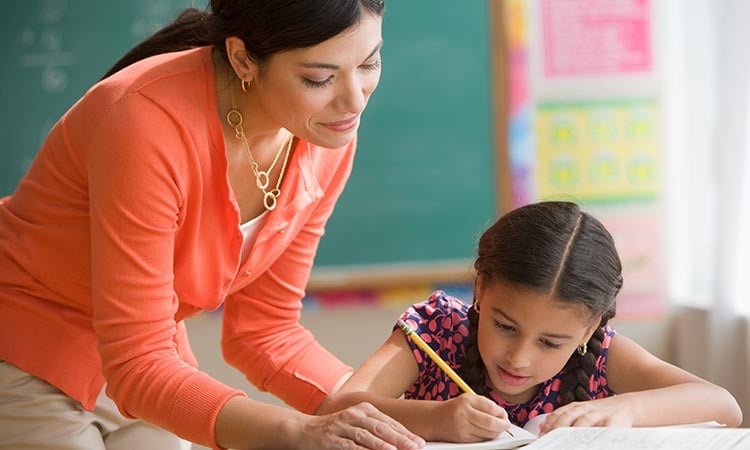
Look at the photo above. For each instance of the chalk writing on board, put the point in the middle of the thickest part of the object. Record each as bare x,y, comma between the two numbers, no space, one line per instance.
44,46
154,15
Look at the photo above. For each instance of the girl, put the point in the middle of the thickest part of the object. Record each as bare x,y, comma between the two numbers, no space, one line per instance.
198,174
536,340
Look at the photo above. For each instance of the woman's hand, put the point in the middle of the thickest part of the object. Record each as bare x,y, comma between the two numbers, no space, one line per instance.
358,427
469,418
605,412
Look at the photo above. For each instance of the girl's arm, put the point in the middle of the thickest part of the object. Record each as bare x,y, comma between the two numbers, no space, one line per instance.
389,372
650,392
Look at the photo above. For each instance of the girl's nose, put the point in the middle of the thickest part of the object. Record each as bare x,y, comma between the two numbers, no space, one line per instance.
518,356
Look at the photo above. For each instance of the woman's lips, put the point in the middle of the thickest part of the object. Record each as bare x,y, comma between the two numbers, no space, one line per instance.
342,125
509,378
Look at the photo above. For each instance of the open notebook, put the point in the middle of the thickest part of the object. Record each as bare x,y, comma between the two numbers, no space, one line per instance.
705,435
521,436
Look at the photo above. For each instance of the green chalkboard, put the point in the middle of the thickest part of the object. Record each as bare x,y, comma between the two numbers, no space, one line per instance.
423,185
53,51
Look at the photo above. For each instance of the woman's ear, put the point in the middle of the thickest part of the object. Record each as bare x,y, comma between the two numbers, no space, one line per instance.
245,68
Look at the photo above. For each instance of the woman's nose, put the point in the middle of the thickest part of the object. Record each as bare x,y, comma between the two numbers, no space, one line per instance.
353,97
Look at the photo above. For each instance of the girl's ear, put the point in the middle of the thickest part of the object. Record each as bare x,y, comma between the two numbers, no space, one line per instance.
245,68
478,285
592,328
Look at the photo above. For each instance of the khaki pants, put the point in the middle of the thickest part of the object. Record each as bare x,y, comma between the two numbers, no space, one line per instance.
36,415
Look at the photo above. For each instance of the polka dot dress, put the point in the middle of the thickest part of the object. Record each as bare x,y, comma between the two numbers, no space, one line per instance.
442,322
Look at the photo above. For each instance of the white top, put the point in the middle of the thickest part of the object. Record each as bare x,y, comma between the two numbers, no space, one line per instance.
250,230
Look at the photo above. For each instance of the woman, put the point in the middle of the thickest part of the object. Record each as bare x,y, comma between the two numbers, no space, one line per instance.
199,173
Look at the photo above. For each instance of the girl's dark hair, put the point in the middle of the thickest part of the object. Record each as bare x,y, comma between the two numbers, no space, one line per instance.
265,26
553,248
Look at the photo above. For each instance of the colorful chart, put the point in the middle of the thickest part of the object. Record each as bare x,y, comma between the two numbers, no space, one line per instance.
598,151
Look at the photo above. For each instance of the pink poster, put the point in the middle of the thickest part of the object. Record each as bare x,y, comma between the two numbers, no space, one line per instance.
639,242
596,37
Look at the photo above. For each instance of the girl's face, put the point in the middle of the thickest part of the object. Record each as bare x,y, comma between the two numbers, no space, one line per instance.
525,338
319,92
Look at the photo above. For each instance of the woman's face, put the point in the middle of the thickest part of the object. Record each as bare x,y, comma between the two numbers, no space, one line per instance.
318,93
526,338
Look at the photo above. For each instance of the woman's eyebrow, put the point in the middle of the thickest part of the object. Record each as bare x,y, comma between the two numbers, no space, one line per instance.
316,65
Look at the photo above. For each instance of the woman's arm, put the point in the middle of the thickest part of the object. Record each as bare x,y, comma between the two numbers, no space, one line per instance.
650,392
137,178
248,424
262,336
389,372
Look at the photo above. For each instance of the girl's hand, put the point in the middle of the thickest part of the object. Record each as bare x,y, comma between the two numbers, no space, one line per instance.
358,427
469,418
605,412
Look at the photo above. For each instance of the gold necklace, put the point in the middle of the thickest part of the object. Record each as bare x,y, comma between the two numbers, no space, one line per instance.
262,177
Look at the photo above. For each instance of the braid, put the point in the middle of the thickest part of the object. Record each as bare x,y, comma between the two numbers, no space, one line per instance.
472,369
579,369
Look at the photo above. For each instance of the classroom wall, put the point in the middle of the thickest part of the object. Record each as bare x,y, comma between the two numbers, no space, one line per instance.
716,349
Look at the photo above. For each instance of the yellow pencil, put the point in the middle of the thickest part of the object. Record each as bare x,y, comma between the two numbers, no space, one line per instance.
437,359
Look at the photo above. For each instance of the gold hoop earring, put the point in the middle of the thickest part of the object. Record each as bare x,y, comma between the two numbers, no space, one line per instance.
476,307
244,85
582,349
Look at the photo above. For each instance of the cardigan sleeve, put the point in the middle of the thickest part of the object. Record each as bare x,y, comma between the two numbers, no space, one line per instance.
262,336
135,162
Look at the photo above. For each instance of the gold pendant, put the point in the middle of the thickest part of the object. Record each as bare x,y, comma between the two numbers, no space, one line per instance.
262,179
234,119
269,200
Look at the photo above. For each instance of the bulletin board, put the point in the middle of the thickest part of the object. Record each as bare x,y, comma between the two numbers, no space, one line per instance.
585,125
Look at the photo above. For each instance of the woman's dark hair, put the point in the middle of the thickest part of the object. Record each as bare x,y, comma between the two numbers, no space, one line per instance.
553,248
265,26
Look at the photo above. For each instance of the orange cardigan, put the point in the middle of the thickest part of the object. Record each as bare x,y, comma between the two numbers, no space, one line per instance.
126,224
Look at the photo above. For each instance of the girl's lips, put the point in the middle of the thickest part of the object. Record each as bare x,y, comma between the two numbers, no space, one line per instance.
509,378
343,125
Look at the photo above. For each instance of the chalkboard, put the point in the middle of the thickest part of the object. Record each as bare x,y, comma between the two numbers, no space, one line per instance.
423,185
53,51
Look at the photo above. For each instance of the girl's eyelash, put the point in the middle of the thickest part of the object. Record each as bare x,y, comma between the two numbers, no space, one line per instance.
503,326
510,328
